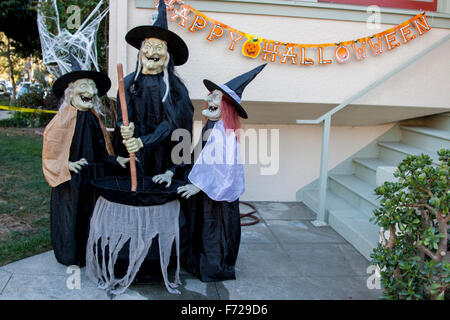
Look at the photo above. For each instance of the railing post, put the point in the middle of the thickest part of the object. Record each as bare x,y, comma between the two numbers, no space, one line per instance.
321,220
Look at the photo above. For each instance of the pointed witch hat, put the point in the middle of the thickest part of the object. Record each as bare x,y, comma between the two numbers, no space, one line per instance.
233,89
101,80
176,46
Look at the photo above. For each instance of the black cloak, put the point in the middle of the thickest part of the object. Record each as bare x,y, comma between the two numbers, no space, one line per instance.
73,202
214,230
154,123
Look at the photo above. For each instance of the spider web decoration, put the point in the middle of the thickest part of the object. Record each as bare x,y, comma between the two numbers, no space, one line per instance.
57,46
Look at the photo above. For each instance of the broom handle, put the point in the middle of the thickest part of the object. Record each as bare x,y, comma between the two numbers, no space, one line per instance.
123,107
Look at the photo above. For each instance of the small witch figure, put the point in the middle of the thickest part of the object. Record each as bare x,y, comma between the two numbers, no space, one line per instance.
75,148
217,181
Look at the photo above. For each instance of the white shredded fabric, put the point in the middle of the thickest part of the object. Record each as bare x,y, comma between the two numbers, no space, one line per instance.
114,224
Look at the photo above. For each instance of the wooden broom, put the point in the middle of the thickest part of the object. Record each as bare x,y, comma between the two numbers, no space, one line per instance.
123,107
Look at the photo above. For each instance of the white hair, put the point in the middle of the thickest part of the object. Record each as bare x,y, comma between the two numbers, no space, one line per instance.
66,100
166,77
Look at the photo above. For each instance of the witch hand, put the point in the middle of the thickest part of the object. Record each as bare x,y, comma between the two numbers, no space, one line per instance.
165,177
127,131
188,190
77,166
123,161
133,145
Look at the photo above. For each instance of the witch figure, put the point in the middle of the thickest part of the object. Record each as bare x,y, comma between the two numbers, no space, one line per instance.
76,148
216,183
158,103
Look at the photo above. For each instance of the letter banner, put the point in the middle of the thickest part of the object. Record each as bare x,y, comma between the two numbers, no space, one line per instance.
291,53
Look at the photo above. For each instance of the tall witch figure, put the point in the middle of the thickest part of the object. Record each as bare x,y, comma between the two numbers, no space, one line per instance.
158,103
216,182
76,147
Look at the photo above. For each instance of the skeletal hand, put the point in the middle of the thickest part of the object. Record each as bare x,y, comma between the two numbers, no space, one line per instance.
188,190
127,131
77,166
165,177
123,161
133,145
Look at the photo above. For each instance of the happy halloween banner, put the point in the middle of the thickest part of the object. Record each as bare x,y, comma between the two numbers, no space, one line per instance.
295,53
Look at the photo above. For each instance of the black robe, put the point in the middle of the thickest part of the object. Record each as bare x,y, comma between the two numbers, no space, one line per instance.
214,235
154,123
72,202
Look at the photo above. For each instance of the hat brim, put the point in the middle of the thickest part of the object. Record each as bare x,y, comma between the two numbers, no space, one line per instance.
211,86
101,80
176,46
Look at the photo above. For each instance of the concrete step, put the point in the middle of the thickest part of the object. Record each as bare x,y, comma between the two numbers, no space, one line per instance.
311,199
355,191
366,168
356,228
439,121
395,152
348,221
427,138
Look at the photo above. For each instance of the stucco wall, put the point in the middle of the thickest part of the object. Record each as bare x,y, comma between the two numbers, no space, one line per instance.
287,83
425,84
299,162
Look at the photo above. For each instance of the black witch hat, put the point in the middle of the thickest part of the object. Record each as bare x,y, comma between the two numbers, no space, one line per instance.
233,89
176,46
101,80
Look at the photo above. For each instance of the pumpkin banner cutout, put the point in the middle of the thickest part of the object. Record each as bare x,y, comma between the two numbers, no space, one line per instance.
252,47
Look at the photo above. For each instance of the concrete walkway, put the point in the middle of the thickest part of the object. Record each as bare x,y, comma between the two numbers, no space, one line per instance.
282,257
4,114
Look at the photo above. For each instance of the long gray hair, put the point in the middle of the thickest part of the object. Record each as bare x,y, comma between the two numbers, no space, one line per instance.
66,100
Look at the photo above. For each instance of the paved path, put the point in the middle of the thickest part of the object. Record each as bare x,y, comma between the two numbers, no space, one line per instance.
284,257
4,114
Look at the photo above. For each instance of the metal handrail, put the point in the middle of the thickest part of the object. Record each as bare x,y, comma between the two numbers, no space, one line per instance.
326,119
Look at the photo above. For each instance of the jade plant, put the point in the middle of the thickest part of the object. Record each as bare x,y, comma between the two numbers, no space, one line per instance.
414,215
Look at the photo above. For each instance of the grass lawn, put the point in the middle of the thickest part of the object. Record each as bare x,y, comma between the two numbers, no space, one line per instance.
24,196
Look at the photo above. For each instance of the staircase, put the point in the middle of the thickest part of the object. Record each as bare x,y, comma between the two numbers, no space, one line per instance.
350,195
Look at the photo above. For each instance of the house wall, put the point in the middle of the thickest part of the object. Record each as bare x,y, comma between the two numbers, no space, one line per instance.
423,85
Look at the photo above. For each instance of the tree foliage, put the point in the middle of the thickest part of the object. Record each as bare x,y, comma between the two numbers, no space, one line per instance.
414,210
17,61
18,22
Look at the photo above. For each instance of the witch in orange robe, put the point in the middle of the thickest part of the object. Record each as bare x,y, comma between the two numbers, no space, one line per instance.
76,148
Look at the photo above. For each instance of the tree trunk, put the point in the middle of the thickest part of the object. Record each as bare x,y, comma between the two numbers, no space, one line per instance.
11,73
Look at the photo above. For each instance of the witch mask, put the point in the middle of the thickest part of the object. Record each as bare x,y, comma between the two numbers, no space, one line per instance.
214,100
83,93
154,55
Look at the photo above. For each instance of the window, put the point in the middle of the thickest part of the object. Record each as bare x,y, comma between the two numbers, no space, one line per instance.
428,5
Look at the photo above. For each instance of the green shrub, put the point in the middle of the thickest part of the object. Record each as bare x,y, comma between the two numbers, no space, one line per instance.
33,99
12,122
414,210
31,119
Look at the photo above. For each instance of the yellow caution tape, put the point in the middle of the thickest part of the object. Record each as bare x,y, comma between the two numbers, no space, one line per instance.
11,108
